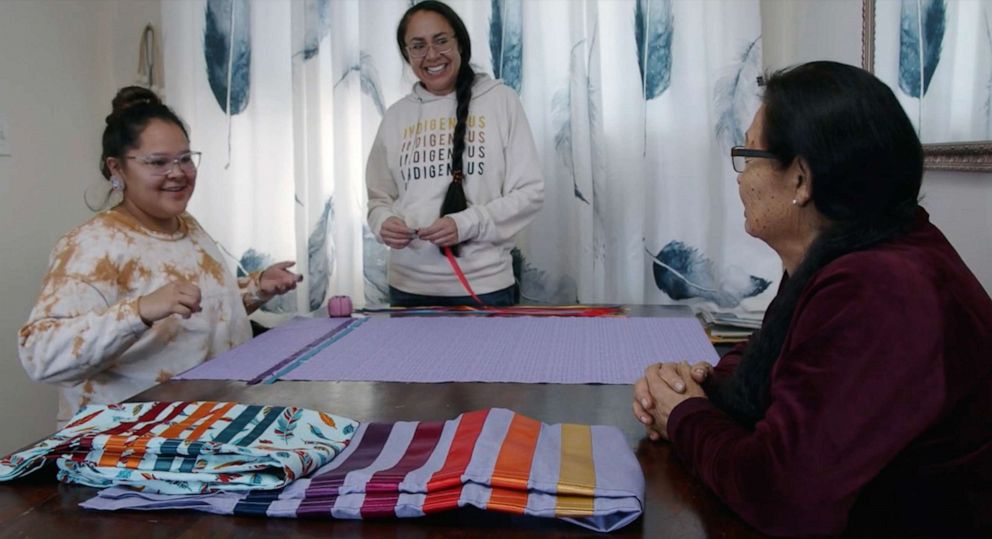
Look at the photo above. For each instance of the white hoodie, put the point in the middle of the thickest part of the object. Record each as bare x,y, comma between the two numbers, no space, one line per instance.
409,171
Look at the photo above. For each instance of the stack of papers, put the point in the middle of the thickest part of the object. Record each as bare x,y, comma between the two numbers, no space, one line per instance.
723,327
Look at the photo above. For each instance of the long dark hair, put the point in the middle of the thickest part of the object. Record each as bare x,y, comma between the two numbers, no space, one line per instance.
866,165
454,198
133,108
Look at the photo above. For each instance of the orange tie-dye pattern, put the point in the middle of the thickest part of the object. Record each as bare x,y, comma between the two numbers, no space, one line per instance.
85,333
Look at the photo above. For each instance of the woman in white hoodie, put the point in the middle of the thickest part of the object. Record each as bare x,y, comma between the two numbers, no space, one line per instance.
452,166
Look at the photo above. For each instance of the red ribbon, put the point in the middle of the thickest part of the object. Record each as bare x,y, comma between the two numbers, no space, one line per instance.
461,275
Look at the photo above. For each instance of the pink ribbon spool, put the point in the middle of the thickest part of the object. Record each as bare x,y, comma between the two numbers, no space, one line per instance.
339,306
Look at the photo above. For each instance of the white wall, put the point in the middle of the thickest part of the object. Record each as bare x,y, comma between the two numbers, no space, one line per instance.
960,203
60,65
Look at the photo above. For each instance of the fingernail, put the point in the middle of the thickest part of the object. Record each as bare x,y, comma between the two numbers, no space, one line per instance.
645,403
645,419
679,386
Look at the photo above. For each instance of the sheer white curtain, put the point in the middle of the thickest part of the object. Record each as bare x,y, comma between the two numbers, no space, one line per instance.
633,104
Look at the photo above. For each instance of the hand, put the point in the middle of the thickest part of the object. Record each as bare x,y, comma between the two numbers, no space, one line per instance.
674,377
277,279
174,298
443,232
395,233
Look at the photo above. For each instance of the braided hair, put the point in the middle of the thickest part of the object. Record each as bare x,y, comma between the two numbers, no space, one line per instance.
454,199
866,164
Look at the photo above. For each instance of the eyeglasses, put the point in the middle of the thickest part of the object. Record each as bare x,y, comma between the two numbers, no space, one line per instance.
740,155
441,44
162,166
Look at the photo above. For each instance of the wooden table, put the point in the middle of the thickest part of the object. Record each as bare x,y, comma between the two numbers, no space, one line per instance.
676,504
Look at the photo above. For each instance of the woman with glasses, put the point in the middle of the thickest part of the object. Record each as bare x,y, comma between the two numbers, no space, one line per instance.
863,405
139,292
453,166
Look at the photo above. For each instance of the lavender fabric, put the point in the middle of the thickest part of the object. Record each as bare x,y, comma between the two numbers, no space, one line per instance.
458,349
263,352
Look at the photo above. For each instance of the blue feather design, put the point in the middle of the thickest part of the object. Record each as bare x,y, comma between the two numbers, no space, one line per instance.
369,80
316,26
253,261
318,433
598,161
218,40
683,273
374,258
653,30
320,261
538,286
320,256
506,42
286,423
736,96
561,113
934,15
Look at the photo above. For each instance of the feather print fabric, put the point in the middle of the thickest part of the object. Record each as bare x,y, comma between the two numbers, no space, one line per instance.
653,29
187,447
683,273
506,42
227,34
916,15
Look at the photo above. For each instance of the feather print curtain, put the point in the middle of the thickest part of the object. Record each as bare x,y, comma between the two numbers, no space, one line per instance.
944,48
633,104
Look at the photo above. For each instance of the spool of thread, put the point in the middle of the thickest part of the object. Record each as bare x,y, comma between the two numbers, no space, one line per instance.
339,306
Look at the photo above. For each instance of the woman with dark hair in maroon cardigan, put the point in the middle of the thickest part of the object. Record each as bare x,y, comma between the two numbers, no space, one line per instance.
863,406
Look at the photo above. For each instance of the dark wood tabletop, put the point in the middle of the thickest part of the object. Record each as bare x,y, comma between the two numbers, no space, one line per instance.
677,505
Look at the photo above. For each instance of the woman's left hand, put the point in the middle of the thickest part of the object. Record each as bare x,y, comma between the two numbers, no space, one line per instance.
443,232
664,398
277,279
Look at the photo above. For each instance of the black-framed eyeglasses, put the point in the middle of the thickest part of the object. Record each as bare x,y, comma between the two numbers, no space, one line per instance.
740,155
442,45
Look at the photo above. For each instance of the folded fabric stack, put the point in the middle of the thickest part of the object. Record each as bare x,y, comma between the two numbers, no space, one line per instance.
491,459
188,447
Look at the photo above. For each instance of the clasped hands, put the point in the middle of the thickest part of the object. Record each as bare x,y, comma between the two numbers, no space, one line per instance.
663,387
183,298
395,233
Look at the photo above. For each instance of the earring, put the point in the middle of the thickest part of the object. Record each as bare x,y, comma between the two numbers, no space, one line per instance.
795,202
116,183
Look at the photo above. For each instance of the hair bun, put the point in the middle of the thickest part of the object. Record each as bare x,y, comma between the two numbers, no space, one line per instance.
131,96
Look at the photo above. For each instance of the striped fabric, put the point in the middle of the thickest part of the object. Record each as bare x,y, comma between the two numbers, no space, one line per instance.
187,447
491,459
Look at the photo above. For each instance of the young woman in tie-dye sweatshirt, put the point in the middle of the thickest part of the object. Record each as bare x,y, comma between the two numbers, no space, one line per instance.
139,292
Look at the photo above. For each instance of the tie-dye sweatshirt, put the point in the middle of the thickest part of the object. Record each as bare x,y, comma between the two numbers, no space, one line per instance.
84,332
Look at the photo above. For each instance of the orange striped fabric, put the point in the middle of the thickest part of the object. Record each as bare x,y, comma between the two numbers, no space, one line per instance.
512,470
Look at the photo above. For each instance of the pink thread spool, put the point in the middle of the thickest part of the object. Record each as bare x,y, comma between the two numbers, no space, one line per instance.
339,306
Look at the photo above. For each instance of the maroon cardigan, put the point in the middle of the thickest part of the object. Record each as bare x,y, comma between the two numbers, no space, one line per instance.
881,404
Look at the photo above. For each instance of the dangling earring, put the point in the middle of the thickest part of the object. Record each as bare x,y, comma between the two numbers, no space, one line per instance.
116,184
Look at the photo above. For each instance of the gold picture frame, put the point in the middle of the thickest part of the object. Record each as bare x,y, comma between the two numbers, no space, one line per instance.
970,156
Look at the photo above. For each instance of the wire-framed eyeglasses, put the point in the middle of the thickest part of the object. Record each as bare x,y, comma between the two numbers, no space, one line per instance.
739,156
442,45
161,165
